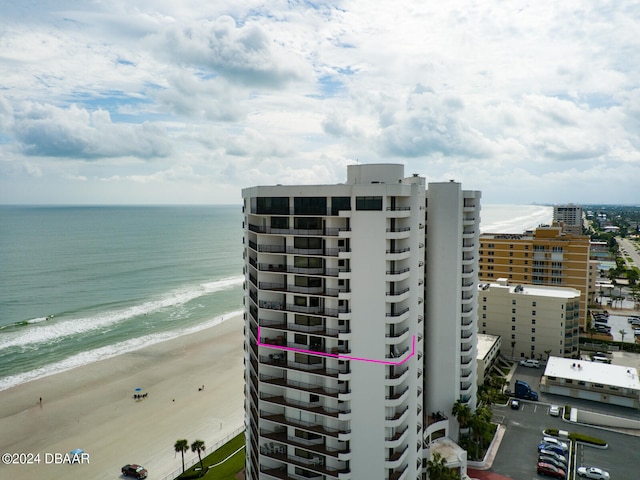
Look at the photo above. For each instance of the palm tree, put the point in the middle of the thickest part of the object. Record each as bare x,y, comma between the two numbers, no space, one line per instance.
437,469
182,446
462,412
480,422
198,446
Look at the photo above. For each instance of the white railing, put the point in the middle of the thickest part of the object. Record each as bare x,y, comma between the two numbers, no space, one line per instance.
190,463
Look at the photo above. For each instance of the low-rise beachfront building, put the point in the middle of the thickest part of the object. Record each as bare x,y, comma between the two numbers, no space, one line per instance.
533,321
599,382
344,379
488,351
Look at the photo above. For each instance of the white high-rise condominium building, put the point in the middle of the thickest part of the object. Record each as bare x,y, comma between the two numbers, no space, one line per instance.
570,216
338,328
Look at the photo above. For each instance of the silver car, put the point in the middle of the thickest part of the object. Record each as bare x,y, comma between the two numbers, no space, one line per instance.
594,473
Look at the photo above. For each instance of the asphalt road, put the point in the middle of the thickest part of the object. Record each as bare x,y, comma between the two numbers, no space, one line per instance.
517,455
629,247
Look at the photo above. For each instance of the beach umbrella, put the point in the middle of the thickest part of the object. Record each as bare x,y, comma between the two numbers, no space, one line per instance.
77,451
138,389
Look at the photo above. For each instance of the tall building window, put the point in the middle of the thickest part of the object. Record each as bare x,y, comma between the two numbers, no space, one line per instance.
368,203
310,205
340,203
272,205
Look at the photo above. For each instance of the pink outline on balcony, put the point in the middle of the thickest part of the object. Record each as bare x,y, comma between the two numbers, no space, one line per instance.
337,355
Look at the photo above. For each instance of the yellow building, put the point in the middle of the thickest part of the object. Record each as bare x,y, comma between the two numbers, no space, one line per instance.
547,256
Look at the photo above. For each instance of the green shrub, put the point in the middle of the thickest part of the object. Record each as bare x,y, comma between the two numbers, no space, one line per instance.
579,437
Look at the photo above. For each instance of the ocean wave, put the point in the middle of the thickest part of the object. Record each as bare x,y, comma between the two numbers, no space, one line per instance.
102,353
55,331
514,219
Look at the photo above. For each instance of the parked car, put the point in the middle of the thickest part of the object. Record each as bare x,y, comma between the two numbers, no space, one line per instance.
554,410
551,447
135,471
555,441
551,460
530,362
515,404
593,472
551,471
557,456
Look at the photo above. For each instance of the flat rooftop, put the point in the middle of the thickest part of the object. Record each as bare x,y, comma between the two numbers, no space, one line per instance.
532,290
485,344
593,372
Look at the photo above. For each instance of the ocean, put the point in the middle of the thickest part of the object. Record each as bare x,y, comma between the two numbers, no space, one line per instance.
81,284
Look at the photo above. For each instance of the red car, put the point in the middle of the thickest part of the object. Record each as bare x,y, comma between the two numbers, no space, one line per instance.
135,471
551,471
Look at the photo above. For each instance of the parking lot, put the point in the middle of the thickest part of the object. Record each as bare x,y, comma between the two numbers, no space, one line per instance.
517,455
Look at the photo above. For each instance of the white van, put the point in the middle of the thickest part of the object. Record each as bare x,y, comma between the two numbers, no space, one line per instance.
530,362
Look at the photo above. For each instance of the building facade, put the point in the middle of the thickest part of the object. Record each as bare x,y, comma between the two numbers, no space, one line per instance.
335,341
533,321
569,217
598,382
545,257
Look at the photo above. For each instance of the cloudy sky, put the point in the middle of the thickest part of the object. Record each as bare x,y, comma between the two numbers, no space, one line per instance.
165,101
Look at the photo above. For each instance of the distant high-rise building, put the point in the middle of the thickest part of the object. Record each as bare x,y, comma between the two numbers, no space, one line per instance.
360,311
547,256
569,217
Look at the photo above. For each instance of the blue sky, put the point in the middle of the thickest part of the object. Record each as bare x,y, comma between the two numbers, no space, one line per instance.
155,102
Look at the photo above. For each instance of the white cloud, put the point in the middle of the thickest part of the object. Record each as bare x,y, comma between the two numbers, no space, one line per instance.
45,130
528,102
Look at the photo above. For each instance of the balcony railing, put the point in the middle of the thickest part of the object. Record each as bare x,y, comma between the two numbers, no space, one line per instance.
302,424
326,232
307,387
320,330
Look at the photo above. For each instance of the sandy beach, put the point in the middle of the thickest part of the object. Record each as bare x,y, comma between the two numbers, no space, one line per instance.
92,408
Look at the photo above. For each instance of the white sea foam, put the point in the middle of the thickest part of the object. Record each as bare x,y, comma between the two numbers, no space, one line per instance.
514,218
102,353
56,331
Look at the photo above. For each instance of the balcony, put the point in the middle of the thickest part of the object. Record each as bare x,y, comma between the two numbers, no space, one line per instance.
397,337
396,399
398,254
282,420
317,446
314,407
318,291
397,458
397,419
279,360
397,317
316,389
312,310
397,439
326,232
319,330
316,271
398,296
314,464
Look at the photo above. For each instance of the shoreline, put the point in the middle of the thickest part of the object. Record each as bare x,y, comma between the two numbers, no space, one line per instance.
92,407
110,351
